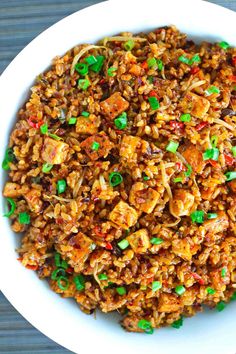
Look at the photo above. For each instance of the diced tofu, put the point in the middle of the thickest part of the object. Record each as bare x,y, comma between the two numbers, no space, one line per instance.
219,224
124,215
129,148
198,106
135,70
33,200
144,199
169,303
54,152
114,105
182,248
102,150
78,250
87,125
193,156
139,241
207,193
189,296
12,190
182,202
232,185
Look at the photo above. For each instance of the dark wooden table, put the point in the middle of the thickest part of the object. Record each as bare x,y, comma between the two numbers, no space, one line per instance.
20,22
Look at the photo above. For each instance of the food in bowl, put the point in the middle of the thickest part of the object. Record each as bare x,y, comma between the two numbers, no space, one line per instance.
122,177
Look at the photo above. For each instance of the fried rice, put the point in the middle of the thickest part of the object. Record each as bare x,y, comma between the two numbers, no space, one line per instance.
122,177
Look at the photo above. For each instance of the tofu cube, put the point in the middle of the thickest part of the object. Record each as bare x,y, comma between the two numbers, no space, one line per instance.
182,202
129,148
97,146
193,155
12,190
143,198
114,105
33,199
182,248
219,224
80,248
139,241
87,125
54,152
123,215
197,105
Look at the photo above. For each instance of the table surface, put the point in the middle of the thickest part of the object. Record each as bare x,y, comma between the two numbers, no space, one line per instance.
20,22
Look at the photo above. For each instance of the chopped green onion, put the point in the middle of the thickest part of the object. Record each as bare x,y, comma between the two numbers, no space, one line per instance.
47,167
233,297
156,285
186,117
223,272
102,277
9,157
24,218
85,114
234,151
177,324
61,186
178,179
151,62
211,154
83,84
211,216
63,283
150,79
79,282
96,67
90,60
210,291
214,140
54,136
60,263
121,290
146,178
221,306
224,45
197,216
156,241
44,128
184,59
154,103
111,71
195,59
12,207
123,244
211,90
95,146
180,290
145,326
81,68
115,178
121,121
189,171
72,121
159,64
57,273
230,175
172,146
129,45
5,165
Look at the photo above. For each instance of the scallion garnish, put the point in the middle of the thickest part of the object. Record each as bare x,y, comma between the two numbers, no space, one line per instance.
154,103
81,68
54,136
146,178
197,216
83,84
57,273
230,175
233,149
90,60
121,290
159,64
210,290
156,285
145,326
211,154
223,272
189,171
115,178
9,157
72,121
24,218
211,90
177,324
12,207
123,244
186,117
220,306
102,277
211,216
178,180
63,283
61,186
184,59
151,62
44,128
96,67
111,71
172,146
79,282
195,59
224,45
129,45
47,167
156,241
121,121
85,114
95,146
214,140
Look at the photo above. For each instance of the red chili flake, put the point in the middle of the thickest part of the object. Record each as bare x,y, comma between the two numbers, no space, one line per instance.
198,278
233,78
176,125
70,270
144,65
234,61
109,246
97,231
150,280
59,221
96,199
229,160
34,122
32,267
213,163
20,259
194,70
180,166
153,93
201,125
102,81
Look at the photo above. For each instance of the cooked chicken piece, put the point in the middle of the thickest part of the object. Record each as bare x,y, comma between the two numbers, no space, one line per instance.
12,190
219,224
232,185
197,105
87,125
169,303
182,202
97,146
182,248
139,241
124,215
129,148
33,200
143,198
54,152
114,105
193,156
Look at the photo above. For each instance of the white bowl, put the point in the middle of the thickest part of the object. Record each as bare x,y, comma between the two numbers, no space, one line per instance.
60,319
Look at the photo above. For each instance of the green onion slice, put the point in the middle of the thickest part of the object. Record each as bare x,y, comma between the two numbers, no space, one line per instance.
58,273
121,121
211,216
102,277
189,171
160,64
178,179
224,45
85,114
96,67
177,324
90,60
186,117
230,175
145,326
214,141
220,306
44,128
197,216
223,272
211,154
12,207
234,151
123,244
81,68
210,290
211,90
79,281
129,45
111,71
72,121
156,285
95,146
61,186
24,218
47,167
115,178
121,290
156,241
83,84
63,283
180,290
172,146
151,62
154,103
